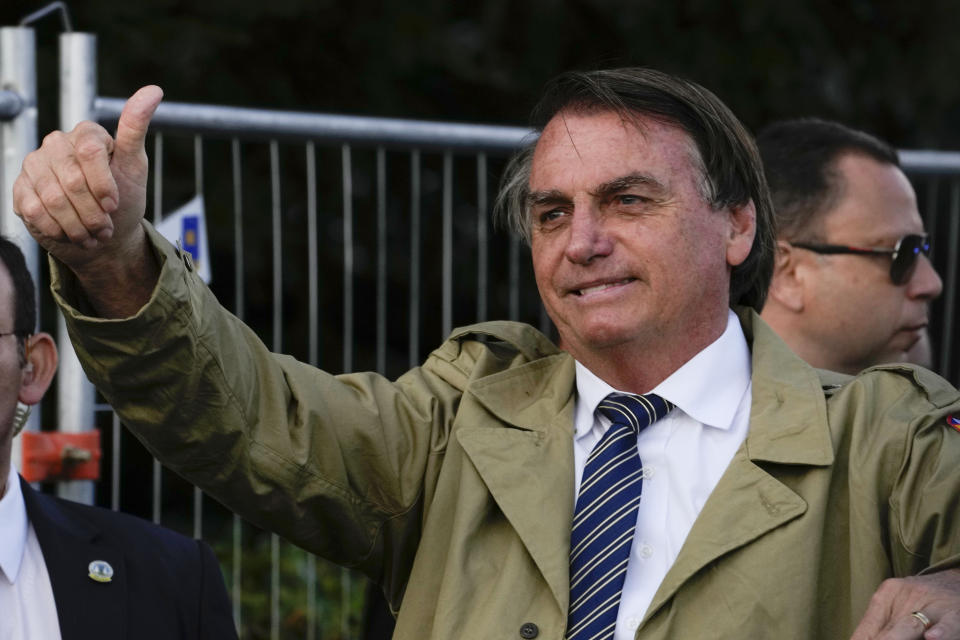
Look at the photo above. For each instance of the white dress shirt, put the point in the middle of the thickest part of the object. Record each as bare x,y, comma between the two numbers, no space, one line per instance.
683,456
26,597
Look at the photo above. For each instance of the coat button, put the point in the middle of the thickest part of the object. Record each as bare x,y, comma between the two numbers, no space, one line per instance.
529,630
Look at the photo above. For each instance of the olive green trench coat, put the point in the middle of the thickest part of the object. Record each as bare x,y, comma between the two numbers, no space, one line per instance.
453,485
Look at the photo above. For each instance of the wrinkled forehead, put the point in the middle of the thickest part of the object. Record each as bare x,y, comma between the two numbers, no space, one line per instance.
597,135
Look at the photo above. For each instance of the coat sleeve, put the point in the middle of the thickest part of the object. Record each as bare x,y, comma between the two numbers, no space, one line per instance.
910,420
332,463
925,502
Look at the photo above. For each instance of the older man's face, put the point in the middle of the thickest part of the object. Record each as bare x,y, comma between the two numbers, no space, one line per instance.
627,253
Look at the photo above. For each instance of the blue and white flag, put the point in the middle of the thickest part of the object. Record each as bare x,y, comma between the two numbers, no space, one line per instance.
188,226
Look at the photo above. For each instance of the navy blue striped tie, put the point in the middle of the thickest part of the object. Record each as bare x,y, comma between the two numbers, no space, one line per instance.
606,516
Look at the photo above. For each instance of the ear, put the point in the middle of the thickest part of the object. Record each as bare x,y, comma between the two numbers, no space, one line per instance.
787,284
40,367
743,229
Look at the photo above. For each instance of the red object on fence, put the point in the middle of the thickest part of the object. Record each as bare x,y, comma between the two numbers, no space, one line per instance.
51,456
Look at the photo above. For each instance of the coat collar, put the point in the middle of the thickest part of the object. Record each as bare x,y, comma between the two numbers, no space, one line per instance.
532,463
788,427
528,468
69,544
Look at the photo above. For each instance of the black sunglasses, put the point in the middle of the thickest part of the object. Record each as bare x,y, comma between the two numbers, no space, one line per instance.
903,255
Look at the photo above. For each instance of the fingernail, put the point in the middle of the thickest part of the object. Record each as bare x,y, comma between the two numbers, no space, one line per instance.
108,204
90,243
104,235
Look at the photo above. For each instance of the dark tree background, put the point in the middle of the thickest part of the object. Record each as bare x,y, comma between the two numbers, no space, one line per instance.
883,65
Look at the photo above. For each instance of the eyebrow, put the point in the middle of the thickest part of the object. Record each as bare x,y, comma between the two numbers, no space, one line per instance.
611,187
603,191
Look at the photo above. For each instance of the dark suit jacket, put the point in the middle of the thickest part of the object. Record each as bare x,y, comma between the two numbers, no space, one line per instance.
164,585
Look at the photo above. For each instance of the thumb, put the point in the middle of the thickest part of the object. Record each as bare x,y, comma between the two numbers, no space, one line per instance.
134,121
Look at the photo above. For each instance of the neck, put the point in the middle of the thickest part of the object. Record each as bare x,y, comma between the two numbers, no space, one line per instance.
638,368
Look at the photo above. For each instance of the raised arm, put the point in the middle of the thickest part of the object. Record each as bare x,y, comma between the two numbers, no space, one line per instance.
82,196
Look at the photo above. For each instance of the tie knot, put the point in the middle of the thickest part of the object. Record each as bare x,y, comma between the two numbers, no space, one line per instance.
637,412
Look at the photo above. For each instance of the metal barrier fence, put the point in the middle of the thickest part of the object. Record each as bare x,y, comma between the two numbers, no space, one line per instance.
378,241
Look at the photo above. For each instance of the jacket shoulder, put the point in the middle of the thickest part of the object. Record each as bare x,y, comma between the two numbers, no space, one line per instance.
486,348
914,382
121,529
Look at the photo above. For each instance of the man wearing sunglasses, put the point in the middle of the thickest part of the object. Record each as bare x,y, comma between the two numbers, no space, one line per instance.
853,279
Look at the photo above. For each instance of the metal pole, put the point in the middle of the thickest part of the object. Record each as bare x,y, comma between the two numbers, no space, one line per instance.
18,137
78,90
447,250
381,261
414,257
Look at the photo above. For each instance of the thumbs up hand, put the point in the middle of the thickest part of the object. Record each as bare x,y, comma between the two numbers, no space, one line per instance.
82,196
84,192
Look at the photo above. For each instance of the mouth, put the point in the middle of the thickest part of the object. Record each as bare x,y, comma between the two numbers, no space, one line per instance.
595,288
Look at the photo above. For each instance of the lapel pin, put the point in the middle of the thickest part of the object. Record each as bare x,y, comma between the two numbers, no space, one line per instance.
100,571
954,421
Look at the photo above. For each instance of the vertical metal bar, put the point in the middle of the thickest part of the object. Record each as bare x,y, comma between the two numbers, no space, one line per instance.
277,248
274,587
345,581
312,262
314,349
115,464
381,260
545,323
931,212
198,176
347,260
514,278
157,177
447,296
197,513
950,290
311,596
414,257
482,248
277,346
198,164
238,283
18,137
236,590
75,395
345,590
156,497
157,484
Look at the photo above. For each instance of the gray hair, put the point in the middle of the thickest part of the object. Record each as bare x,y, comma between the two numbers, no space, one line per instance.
730,166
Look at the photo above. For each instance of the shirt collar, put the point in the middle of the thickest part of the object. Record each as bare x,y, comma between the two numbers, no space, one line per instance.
708,387
13,528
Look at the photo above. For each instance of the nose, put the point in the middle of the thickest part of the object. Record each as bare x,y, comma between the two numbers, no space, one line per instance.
925,282
588,237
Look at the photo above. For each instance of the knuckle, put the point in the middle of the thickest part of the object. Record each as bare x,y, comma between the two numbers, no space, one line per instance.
887,588
54,138
73,180
86,128
53,196
89,149
30,209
